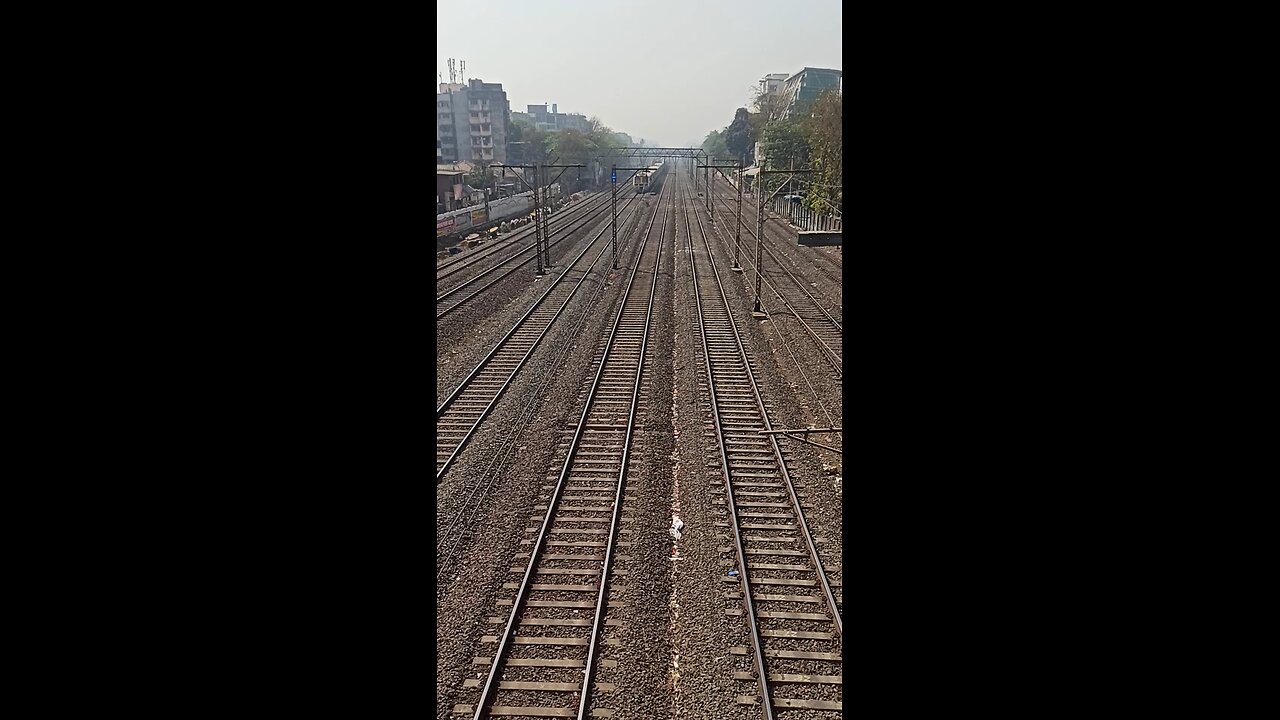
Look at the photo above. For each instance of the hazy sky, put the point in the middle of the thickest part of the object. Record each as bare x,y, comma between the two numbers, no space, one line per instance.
668,71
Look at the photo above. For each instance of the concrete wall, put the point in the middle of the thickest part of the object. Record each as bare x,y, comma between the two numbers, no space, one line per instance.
507,207
459,220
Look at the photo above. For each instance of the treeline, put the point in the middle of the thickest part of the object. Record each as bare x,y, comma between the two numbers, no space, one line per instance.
527,145
812,140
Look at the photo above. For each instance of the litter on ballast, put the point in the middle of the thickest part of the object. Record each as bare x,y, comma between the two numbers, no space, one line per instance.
676,525
733,573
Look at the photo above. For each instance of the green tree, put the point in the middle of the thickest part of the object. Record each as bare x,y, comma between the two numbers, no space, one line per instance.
714,145
605,139
737,137
784,144
824,136
569,147
767,107
523,140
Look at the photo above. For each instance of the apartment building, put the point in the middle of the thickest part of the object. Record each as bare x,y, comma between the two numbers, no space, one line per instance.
803,88
471,122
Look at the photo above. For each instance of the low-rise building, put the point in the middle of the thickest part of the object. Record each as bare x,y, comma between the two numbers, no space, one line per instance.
772,83
553,120
449,186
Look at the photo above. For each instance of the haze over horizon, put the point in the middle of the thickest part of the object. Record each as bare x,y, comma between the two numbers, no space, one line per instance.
666,71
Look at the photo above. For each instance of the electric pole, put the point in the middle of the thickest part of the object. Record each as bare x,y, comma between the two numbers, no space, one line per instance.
757,312
759,241
545,223
737,241
537,218
541,239
711,179
613,179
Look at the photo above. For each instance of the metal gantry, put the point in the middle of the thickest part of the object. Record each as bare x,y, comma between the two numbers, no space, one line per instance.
661,152
542,233
546,260
537,225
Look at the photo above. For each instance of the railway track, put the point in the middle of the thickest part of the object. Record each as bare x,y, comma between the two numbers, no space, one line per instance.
450,265
460,415
799,302
456,514
727,196
781,590
510,264
552,641
484,267
504,244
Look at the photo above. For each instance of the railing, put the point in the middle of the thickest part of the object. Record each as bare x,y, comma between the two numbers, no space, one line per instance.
796,214
802,217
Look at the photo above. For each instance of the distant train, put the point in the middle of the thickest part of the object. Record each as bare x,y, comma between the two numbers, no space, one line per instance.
648,181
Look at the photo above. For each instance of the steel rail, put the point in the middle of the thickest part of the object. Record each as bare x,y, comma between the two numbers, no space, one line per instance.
522,592
501,277
601,599
498,461
484,362
464,261
751,231
835,358
756,646
560,220
773,440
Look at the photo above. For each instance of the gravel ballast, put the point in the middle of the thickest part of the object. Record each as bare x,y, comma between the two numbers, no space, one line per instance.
672,632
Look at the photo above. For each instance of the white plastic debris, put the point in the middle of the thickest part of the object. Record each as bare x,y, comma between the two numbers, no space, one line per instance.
676,524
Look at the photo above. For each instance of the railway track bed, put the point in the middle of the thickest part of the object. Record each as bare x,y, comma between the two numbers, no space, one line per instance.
775,580
556,635
571,600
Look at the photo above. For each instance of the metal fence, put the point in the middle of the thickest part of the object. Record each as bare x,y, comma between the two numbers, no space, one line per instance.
802,217
799,216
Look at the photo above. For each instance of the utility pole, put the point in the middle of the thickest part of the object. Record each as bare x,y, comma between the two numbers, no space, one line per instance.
757,312
613,178
708,186
537,218
493,189
546,233
711,179
737,241
537,228
759,243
